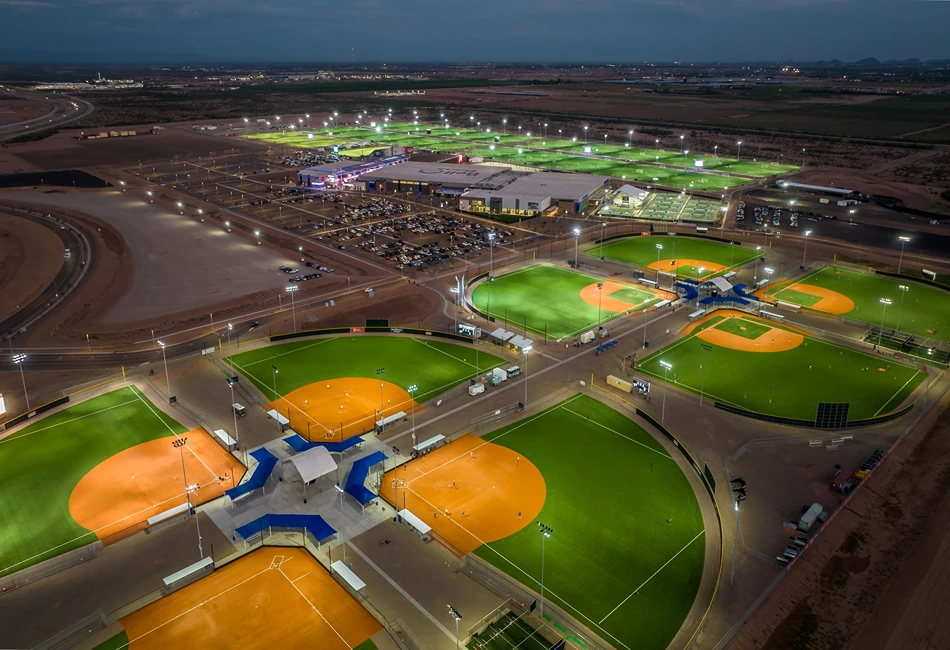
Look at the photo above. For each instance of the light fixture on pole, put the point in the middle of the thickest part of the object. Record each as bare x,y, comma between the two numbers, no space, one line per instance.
179,444
458,617
577,238
491,266
603,233
807,232
769,273
600,298
683,144
526,351
666,368
659,247
168,384
276,394
885,302
585,134
904,289
293,309
18,359
546,531
904,241
702,386
738,150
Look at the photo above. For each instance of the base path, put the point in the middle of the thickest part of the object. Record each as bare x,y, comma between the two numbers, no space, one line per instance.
336,409
673,266
271,598
470,491
633,298
772,339
123,491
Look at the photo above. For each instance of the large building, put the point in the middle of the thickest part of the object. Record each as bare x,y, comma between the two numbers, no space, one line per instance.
491,189
342,173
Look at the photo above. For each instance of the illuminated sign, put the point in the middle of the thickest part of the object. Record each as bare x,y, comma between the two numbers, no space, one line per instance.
699,163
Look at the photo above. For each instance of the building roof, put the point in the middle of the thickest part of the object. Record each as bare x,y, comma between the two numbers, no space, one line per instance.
452,174
722,284
630,190
820,188
557,185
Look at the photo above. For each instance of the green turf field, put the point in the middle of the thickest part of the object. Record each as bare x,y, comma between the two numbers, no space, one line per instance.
790,383
547,298
642,251
510,631
433,366
42,463
925,312
626,556
119,642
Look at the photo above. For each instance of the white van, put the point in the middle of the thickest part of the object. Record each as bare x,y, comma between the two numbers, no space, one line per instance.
476,389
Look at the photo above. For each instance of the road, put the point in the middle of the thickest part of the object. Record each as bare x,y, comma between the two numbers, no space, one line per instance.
75,263
62,110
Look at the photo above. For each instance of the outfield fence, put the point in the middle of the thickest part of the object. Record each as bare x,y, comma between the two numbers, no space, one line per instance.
66,395
50,567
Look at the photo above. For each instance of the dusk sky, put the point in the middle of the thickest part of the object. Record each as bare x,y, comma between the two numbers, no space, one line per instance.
483,30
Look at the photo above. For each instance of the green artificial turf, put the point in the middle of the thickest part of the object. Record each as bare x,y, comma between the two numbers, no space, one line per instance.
925,312
432,366
119,642
366,645
790,383
510,632
626,555
642,251
747,329
543,298
42,463
632,295
799,298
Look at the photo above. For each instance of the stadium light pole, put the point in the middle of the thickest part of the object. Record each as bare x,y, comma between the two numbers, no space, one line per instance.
168,384
702,386
577,238
585,135
293,309
755,274
491,267
504,126
716,151
666,368
683,144
274,375
768,272
657,144
659,247
526,351
603,233
412,403
179,443
630,136
546,531
600,298
903,239
18,359
904,289
807,232
738,150
458,617
885,302
237,438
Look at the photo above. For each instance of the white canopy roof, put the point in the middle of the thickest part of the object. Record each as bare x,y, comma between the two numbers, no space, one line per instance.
502,334
722,284
313,463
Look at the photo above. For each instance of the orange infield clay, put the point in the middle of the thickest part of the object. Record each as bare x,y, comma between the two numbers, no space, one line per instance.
590,295
674,266
145,480
271,598
774,340
489,491
337,409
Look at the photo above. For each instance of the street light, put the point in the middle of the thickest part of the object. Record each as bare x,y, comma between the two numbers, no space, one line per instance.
807,232
546,531
904,289
904,239
885,302
168,385
577,238
18,359
458,617
293,310
666,368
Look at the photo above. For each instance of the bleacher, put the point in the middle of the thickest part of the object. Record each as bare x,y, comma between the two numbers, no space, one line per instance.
299,444
689,289
721,300
739,289
314,524
605,347
265,465
357,477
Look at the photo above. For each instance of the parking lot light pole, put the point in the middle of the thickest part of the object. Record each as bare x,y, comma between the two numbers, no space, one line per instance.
666,368
458,617
904,241
168,384
18,359
904,289
885,302
293,309
546,531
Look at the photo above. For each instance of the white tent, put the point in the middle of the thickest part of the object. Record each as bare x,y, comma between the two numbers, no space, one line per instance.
313,464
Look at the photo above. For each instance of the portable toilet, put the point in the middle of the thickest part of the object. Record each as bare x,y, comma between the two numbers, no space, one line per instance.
587,337
498,375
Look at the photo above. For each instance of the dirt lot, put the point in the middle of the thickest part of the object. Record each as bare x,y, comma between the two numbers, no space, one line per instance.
914,195
22,240
18,110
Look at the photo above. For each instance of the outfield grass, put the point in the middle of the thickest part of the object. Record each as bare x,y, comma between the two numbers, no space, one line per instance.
642,251
432,366
42,463
543,298
626,556
925,311
789,383
507,633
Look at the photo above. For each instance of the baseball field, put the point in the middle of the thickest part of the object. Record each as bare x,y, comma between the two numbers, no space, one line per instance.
96,469
680,255
627,549
334,388
559,302
774,369
274,597
920,310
